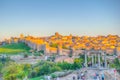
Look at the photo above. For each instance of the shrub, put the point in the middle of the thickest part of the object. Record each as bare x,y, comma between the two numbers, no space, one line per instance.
53,76
37,54
32,74
54,45
41,51
25,55
14,71
55,68
1,65
64,65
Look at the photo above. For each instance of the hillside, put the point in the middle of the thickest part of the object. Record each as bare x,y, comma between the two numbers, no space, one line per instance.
14,48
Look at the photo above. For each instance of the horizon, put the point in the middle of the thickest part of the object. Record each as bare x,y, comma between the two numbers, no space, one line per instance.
44,18
54,34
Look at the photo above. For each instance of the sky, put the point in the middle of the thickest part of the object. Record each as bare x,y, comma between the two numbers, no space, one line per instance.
45,17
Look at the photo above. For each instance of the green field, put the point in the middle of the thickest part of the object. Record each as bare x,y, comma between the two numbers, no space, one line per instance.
14,48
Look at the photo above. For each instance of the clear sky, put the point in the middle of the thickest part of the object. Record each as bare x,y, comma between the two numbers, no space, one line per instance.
45,17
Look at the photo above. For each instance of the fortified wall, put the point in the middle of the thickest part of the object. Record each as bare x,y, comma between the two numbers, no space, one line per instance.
65,45
51,50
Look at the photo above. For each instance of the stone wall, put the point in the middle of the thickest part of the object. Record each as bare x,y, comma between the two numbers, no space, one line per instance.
50,50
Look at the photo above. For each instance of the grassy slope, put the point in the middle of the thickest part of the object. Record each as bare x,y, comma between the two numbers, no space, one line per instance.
14,48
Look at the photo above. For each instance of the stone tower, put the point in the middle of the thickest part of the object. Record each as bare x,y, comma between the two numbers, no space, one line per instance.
59,50
71,51
45,47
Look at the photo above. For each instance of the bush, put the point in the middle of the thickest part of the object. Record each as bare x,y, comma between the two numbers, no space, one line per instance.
44,69
33,74
116,64
41,51
25,55
1,66
51,58
55,68
64,65
14,71
37,54
4,61
53,76
54,45
77,63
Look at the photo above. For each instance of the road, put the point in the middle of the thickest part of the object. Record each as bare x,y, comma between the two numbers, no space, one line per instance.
90,74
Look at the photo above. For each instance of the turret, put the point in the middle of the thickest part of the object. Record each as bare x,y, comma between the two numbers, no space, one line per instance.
59,50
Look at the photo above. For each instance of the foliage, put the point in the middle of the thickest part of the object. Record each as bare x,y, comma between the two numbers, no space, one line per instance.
55,68
4,61
65,65
115,64
14,71
44,68
54,45
32,74
68,66
48,67
14,48
1,66
41,51
25,55
82,56
64,47
38,78
77,63
51,58
53,75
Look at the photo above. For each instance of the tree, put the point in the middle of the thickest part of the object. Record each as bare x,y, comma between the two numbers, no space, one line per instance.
65,65
77,63
116,64
45,69
1,65
4,61
25,55
53,45
55,68
14,71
